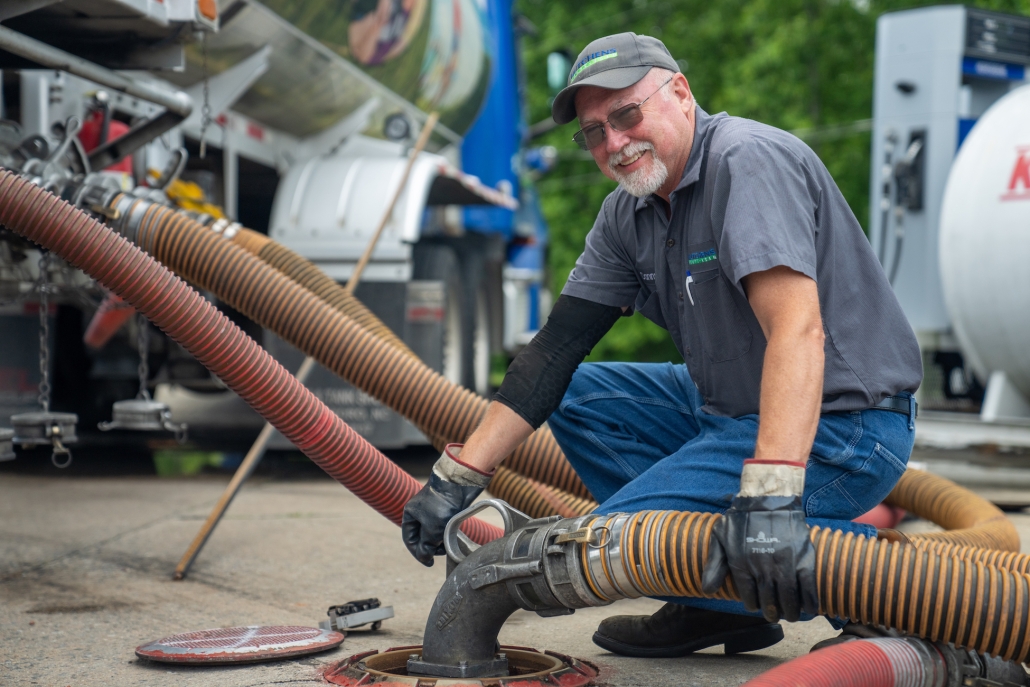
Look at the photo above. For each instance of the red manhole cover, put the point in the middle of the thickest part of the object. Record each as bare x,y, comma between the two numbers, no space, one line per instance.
240,644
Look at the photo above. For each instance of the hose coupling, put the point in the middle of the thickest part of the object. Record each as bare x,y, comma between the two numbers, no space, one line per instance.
542,562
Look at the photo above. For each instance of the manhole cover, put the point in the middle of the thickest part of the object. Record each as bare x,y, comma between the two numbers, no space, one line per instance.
529,668
240,644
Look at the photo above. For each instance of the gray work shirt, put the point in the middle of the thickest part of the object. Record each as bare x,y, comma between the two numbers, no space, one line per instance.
764,199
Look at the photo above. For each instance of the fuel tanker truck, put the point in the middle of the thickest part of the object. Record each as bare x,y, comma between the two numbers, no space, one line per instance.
293,121
985,254
950,212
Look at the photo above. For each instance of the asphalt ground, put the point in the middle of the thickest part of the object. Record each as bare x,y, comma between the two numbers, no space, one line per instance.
86,576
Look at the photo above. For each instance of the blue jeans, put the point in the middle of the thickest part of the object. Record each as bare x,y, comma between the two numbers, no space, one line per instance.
636,436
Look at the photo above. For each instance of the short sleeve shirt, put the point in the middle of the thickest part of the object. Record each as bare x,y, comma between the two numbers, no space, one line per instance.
751,198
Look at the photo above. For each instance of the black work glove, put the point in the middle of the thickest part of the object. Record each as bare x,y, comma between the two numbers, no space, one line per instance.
762,540
452,488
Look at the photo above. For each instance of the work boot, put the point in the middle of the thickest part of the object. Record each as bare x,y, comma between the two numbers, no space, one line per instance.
676,630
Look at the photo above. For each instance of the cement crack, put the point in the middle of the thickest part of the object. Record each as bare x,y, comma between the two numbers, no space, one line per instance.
39,566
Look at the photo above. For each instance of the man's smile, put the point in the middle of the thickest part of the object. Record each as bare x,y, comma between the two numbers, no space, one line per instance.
625,165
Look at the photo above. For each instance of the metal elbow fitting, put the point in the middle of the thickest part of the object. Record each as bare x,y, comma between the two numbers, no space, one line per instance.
536,566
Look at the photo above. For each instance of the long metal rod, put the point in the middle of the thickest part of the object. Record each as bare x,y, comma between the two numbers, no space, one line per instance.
53,58
257,450
132,140
245,470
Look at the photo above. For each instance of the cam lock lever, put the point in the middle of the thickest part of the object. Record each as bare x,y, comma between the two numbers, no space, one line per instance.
586,535
458,546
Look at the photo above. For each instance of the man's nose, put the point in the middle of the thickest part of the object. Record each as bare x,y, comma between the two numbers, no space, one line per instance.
614,140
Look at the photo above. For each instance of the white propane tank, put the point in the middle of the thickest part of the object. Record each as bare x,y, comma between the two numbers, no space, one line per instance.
985,242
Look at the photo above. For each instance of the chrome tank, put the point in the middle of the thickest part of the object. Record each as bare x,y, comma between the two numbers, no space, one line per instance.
985,242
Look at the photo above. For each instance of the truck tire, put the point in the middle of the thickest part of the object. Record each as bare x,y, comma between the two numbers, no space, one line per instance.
439,262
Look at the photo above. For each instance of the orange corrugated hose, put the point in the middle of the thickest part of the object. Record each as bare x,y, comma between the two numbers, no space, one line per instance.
383,370
345,336
953,597
214,340
950,597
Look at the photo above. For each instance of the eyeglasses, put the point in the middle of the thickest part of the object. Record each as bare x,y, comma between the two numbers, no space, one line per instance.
622,119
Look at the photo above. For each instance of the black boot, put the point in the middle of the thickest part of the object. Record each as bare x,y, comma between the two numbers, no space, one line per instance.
677,630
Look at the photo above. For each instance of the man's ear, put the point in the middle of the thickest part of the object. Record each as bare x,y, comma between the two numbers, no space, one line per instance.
681,88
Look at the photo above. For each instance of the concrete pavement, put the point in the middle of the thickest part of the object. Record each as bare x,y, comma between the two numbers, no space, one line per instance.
85,577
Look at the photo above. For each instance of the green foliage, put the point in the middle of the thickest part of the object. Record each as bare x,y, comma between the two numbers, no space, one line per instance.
176,463
794,64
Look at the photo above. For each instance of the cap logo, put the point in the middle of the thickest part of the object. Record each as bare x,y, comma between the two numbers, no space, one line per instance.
593,58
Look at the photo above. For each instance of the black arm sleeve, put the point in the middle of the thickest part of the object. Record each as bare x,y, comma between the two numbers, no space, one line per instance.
538,377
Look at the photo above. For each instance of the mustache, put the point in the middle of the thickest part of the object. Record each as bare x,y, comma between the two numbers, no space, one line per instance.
629,151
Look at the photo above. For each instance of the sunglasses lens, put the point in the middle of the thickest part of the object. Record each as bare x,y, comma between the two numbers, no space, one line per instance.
626,117
589,137
595,136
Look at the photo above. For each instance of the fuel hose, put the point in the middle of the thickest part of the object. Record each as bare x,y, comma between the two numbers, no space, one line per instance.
886,662
381,369
942,597
186,317
285,302
966,518
594,560
893,662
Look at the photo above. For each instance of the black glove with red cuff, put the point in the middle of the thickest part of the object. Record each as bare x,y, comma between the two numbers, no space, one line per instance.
762,540
452,488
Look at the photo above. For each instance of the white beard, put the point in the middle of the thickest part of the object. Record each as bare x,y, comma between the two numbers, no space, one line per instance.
644,181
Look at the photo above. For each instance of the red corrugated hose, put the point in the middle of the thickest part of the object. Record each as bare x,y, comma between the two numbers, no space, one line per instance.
887,662
185,316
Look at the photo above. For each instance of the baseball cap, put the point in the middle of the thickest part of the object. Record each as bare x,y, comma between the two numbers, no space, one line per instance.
613,62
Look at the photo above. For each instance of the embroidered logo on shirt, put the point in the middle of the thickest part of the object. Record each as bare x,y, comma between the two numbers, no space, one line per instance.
647,276
702,256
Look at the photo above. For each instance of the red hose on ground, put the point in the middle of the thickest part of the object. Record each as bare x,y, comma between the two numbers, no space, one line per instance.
886,662
216,342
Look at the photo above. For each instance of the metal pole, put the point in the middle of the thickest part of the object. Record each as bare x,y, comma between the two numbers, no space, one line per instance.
53,58
257,450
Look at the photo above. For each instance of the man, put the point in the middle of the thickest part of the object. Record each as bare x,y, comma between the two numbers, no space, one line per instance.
796,394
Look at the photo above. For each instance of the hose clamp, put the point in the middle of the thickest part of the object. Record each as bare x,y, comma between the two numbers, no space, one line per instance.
595,568
613,557
225,228
563,556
